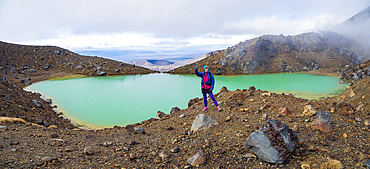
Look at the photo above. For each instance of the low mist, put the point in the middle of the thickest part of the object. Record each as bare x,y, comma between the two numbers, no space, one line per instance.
357,27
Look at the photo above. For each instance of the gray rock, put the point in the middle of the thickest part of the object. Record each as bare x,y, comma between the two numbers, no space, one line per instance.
358,119
48,158
203,122
355,77
49,101
367,163
46,124
164,154
106,144
39,121
78,67
117,70
88,151
37,103
25,81
323,121
58,52
101,73
139,130
219,71
305,69
54,136
273,141
160,115
174,110
367,122
33,70
223,62
175,150
6,98
197,159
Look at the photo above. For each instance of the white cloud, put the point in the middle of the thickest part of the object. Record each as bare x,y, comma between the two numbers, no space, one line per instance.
128,23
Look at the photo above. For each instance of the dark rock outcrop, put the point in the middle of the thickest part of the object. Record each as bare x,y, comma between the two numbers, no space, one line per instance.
273,142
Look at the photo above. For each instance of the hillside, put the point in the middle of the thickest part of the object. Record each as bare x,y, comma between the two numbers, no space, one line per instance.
278,53
19,62
22,65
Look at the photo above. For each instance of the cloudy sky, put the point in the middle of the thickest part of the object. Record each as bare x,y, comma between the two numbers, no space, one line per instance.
164,24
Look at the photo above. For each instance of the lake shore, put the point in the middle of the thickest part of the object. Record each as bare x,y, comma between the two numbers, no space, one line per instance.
188,92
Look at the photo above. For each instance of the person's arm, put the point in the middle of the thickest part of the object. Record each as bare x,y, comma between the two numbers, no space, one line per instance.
213,81
198,73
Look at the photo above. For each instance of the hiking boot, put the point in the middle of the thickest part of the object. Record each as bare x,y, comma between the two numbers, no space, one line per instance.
205,109
219,109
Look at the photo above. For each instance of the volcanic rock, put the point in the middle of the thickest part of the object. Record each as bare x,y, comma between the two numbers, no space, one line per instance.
203,122
273,141
175,150
88,151
193,101
197,159
164,154
174,110
37,103
308,110
26,82
139,130
284,111
160,115
323,121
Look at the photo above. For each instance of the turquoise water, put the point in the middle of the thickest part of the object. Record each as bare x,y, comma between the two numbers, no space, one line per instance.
120,100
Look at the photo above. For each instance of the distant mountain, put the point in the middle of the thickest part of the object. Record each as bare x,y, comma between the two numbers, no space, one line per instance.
164,65
278,53
151,62
357,27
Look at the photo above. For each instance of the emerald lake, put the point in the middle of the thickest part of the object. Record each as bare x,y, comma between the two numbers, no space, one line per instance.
99,102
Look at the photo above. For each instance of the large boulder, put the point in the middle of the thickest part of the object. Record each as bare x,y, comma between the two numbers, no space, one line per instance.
203,122
273,142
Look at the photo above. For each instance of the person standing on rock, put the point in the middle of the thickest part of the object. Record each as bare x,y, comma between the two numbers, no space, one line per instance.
207,84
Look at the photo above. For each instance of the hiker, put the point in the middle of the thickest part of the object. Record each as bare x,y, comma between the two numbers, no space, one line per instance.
207,83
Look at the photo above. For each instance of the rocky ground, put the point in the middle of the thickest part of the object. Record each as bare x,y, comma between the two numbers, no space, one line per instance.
46,140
